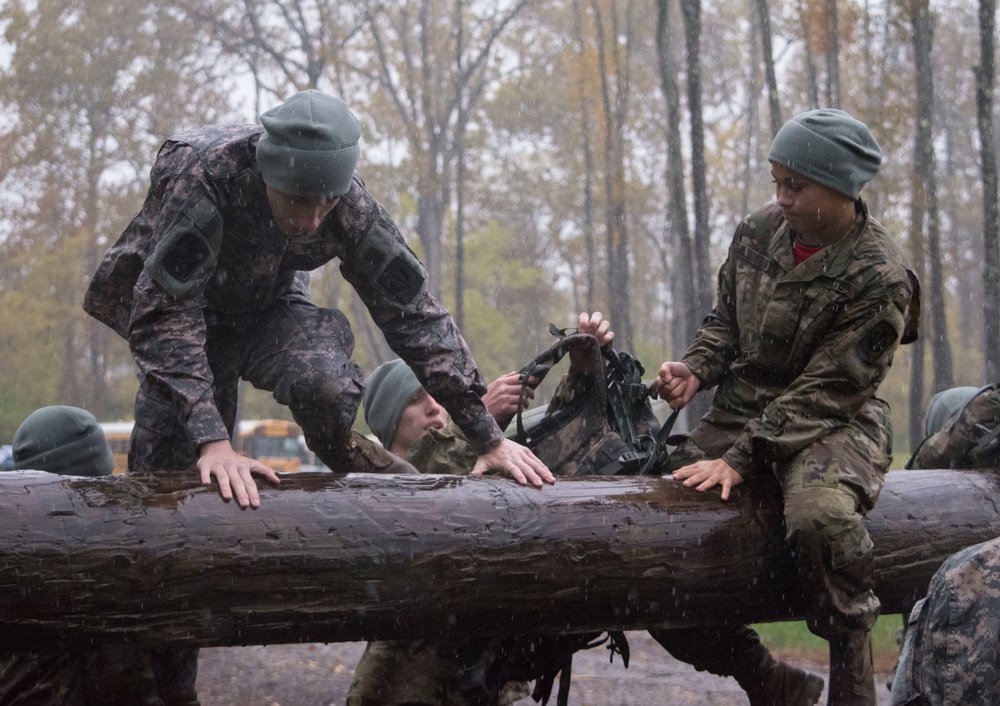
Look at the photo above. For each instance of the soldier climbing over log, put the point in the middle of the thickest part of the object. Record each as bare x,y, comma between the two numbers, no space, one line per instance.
209,285
812,301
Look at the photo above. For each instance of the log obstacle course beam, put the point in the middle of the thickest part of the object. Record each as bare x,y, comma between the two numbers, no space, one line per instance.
331,558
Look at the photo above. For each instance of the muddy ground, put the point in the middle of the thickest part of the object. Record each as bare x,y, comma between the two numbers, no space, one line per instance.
319,675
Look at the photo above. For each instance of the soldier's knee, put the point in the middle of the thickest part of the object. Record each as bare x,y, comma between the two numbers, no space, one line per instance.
825,525
322,385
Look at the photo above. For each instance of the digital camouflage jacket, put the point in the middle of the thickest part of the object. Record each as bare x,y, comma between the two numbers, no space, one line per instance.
949,655
204,250
798,351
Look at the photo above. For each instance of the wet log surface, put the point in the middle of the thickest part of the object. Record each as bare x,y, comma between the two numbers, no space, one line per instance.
330,558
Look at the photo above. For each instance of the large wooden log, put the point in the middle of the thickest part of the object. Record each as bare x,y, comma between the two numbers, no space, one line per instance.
340,558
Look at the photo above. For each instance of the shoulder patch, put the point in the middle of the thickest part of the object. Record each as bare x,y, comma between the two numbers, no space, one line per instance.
189,249
393,268
876,342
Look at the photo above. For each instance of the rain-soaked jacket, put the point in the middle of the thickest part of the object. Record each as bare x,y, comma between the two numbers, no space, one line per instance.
798,351
205,250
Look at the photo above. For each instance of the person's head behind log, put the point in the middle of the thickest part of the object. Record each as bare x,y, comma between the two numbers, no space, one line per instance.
64,440
398,409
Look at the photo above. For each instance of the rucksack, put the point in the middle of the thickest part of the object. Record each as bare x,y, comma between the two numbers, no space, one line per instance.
969,439
600,423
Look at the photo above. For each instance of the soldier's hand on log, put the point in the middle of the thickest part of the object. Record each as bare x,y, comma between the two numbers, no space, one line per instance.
503,397
517,461
676,384
233,472
708,474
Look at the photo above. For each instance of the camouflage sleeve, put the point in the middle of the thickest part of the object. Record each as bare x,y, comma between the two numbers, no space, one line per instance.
391,282
953,659
167,330
716,345
442,451
850,361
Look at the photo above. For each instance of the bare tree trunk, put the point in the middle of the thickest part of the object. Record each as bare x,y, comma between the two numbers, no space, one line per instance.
459,173
155,559
924,168
917,263
588,167
704,286
615,92
763,17
691,11
682,276
832,55
991,213
812,81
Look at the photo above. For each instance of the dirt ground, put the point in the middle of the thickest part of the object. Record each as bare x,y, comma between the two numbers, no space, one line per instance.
319,675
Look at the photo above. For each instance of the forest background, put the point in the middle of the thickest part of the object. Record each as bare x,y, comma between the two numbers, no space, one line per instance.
543,158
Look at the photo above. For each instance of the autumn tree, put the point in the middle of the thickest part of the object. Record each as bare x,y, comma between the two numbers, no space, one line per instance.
92,88
985,78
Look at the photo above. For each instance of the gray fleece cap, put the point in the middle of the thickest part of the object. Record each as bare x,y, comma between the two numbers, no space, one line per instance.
64,440
830,147
390,388
944,405
310,146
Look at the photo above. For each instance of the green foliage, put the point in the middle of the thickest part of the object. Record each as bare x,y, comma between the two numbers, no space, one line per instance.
793,638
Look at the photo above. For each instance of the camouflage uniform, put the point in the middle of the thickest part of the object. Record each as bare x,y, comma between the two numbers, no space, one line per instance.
115,675
797,353
415,671
949,653
208,291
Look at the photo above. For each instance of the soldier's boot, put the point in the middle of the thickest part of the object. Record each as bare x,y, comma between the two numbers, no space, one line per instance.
852,676
771,682
737,652
359,454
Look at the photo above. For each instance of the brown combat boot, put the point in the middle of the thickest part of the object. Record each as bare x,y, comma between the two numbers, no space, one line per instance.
362,455
775,683
736,651
852,676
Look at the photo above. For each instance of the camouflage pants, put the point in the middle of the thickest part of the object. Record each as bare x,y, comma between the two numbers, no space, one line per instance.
827,489
299,352
113,675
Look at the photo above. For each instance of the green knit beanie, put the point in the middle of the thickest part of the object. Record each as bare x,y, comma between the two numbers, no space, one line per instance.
64,440
830,147
310,146
390,388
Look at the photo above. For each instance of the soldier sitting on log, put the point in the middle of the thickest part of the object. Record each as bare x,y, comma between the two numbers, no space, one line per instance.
408,421
69,441
812,302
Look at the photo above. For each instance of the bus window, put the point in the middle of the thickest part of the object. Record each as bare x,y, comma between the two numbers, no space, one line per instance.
273,442
119,436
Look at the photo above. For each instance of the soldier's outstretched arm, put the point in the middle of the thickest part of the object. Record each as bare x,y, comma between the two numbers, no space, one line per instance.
517,461
233,471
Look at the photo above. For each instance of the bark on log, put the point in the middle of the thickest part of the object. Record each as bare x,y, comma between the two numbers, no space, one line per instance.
330,558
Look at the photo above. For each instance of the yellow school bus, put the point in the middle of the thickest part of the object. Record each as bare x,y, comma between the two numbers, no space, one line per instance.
119,435
274,442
